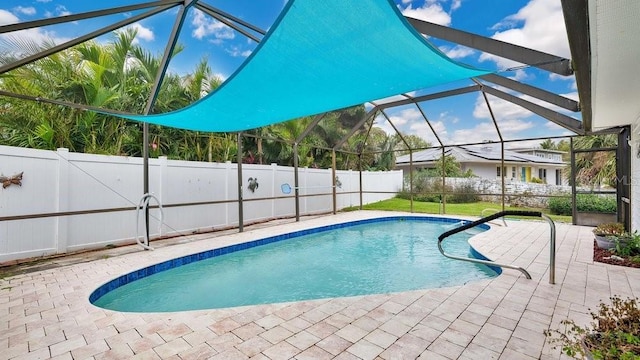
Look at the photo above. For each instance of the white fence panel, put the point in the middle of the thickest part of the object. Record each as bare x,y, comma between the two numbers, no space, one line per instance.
349,181
316,182
376,183
60,181
35,237
284,179
257,183
98,183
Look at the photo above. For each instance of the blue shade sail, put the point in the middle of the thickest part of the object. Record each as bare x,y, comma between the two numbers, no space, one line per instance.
320,55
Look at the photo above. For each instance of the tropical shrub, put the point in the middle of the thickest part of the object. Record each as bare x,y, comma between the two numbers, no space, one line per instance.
464,194
428,188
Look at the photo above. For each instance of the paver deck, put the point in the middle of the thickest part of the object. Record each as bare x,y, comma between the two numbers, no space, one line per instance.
46,313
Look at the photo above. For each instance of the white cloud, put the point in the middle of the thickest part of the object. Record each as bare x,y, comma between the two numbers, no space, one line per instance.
7,18
62,11
205,26
221,76
481,132
486,130
25,10
457,52
542,28
409,121
142,33
421,129
237,52
407,115
455,4
505,109
429,11
399,118
43,1
571,79
382,123
35,35
59,11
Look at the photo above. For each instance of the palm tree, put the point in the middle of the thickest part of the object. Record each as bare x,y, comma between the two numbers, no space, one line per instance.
548,144
599,167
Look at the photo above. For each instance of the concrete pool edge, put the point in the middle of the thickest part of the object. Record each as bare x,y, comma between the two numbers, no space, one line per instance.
175,262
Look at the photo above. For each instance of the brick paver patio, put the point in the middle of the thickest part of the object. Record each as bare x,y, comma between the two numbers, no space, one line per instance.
46,313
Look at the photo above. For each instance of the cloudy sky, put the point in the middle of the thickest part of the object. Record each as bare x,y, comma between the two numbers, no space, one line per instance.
537,24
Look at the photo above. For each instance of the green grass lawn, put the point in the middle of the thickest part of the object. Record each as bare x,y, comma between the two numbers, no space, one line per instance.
469,209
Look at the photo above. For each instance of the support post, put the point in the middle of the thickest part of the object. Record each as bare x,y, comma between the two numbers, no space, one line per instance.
296,180
333,180
240,182
410,180
155,90
360,176
145,173
502,171
62,203
444,185
574,217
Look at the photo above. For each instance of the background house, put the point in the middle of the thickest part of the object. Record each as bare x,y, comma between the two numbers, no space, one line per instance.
485,161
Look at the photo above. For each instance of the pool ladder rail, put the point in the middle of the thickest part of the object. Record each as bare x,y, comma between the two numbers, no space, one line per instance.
143,206
469,225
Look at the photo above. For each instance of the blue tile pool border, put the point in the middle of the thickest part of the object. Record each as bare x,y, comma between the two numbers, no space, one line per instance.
173,263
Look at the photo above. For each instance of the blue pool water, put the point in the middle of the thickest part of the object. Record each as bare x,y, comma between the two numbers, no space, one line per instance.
368,257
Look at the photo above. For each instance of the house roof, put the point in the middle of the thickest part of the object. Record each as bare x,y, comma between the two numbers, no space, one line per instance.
537,149
476,154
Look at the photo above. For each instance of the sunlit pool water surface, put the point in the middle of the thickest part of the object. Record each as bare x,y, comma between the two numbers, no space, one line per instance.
387,255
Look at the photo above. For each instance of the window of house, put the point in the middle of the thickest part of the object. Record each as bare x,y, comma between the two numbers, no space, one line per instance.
542,174
501,173
513,172
558,177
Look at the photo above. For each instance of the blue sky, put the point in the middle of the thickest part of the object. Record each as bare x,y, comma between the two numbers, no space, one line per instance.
537,24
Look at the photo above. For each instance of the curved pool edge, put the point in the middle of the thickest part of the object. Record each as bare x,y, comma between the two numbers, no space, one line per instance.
202,255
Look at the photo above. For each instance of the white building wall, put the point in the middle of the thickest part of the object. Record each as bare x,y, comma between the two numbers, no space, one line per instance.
59,181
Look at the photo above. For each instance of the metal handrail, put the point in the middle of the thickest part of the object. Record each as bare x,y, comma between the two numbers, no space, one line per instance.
143,206
494,211
469,225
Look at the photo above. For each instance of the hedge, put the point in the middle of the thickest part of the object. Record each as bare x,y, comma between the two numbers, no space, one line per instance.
584,202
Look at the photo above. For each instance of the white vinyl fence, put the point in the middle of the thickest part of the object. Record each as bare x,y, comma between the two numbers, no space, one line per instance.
62,181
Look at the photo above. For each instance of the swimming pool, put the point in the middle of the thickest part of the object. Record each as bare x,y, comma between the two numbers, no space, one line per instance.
371,256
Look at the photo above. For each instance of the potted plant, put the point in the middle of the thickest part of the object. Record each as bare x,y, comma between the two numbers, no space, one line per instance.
613,334
607,233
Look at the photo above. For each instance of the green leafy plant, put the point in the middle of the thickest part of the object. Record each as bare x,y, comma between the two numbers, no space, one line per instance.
463,194
614,333
561,205
535,180
628,245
